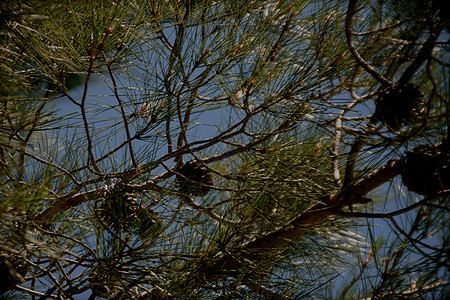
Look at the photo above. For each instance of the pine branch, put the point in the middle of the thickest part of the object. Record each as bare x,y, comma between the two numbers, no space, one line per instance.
269,244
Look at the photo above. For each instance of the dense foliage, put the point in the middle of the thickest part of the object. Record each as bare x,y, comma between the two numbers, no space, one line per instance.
224,149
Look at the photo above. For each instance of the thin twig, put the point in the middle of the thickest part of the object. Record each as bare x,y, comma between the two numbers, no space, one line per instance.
85,121
264,291
356,277
335,152
124,117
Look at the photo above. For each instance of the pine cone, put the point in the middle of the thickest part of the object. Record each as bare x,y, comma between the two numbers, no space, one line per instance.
399,105
198,176
118,209
427,169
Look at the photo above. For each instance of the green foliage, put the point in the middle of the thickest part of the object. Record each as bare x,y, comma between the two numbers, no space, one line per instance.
292,112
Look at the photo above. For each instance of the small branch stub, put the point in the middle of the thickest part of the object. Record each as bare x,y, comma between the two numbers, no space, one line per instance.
197,179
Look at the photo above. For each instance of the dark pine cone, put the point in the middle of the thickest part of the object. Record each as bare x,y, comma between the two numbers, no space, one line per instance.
427,169
198,176
399,105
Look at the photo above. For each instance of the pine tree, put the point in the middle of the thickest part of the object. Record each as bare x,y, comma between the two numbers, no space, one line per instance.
224,149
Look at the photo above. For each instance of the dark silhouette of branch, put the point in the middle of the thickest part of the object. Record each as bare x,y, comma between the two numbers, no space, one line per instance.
424,202
348,33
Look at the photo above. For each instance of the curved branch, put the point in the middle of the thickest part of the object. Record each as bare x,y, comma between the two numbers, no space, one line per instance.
348,34
416,241
92,160
424,53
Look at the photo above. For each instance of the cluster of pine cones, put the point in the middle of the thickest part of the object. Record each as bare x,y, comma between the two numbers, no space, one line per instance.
121,212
